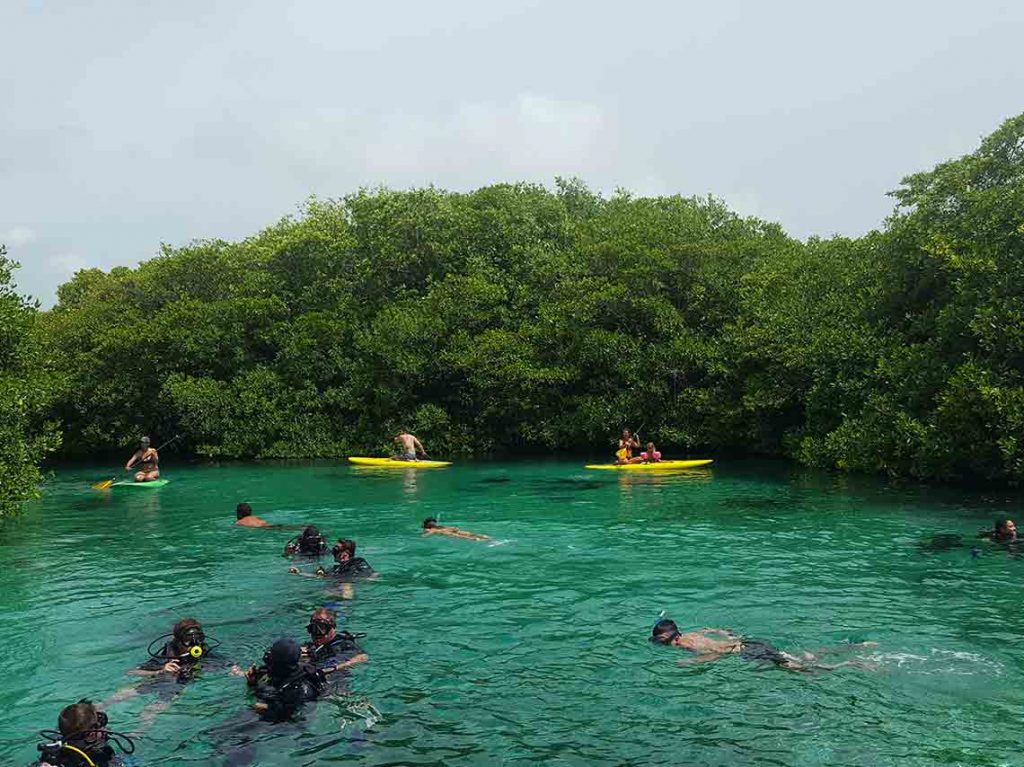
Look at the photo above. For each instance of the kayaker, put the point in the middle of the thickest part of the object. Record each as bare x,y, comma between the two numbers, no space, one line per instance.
627,444
412,449
430,527
148,460
650,454
711,644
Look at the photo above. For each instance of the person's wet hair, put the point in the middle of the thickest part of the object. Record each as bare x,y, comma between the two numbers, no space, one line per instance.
344,545
664,631
243,510
79,718
429,523
188,631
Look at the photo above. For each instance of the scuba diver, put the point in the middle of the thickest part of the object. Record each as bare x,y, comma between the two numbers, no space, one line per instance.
309,543
347,565
285,681
431,527
148,460
329,649
82,739
181,655
711,644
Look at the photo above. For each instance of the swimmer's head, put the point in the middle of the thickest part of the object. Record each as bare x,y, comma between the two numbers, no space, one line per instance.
1006,530
322,625
311,541
188,635
242,511
344,550
665,631
144,443
83,725
429,523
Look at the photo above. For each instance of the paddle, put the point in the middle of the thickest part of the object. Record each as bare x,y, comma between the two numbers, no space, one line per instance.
106,484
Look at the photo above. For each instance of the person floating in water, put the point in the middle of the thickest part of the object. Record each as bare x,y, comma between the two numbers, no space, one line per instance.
430,527
328,649
412,449
347,566
1003,531
82,739
711,644
245,518
148,460
284,681
309,543
628,444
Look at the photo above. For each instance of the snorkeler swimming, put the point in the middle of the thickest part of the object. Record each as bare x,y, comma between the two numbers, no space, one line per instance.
309,543
430,527
710,644
82,739
347,566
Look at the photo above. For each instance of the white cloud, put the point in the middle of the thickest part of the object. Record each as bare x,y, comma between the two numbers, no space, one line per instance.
66,264
17,236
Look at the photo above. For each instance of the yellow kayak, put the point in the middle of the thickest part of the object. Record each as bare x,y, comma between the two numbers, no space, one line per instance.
659,466
391,463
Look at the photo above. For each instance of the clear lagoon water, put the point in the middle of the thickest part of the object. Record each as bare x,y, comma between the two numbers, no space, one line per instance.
531,649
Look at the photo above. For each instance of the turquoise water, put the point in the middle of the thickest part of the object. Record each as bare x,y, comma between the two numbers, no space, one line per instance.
531,650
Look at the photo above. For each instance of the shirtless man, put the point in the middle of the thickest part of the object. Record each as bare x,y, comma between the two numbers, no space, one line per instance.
430,527
148,460
245,518
711,644
412,449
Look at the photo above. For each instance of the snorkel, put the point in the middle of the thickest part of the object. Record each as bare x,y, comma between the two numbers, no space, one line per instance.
664,630
82,730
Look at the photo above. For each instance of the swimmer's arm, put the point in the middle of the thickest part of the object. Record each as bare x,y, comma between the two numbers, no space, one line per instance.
353,661
170,667
320,573
721,632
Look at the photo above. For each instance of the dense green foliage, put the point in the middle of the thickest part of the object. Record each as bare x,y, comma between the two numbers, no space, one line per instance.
24,395
517,318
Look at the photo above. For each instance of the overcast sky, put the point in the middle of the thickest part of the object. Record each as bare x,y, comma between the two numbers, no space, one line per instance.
128,124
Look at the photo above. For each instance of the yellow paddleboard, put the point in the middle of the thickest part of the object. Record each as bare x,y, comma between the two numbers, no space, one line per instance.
659,466
391,463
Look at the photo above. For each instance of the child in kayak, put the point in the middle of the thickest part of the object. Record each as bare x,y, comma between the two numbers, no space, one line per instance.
650,454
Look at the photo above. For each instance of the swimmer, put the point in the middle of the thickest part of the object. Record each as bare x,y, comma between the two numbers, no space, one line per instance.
328,649
347,565
284,681
245,518
430,527
1003,531
82,738
310,542
148,460
711,644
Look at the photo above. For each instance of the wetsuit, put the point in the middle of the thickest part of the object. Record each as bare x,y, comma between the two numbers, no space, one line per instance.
54,756
165,684
357,567
284,696
342,648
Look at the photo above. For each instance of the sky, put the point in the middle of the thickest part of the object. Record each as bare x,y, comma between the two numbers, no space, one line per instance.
124,125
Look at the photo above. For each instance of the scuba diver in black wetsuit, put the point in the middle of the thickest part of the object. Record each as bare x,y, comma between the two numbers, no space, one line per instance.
285,681
309,543
82,739
181,656
329,649
347,565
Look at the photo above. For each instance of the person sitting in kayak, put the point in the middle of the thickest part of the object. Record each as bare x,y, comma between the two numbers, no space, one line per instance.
627,444
430,527
650,454
711,644
148,460
412,449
